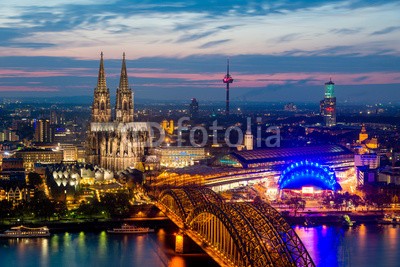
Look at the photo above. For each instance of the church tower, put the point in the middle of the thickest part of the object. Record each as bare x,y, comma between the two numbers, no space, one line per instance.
124,104
101,108
248,140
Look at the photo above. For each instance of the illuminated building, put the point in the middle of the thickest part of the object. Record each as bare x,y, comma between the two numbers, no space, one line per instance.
168,126
227,80
178,157
309,177
43,132
390,175
120,143
363,134
337,157
31,156
12,169
8,135
370,160
73,152
364,144
328,105
241,168
366,175
64,135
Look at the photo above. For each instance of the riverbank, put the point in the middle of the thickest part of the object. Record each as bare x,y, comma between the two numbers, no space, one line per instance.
91,225
334,217
309,218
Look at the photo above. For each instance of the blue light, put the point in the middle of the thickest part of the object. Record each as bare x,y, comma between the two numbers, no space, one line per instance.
304,172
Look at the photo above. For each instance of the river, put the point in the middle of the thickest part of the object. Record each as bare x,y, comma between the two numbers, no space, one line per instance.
362,245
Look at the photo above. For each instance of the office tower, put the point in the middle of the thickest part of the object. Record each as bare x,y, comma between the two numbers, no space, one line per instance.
194,108
43,132
328,106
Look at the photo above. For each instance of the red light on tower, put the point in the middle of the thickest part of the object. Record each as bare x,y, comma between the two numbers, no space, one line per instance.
227,79
329,109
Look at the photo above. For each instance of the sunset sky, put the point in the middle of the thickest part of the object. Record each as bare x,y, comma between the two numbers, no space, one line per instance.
279,50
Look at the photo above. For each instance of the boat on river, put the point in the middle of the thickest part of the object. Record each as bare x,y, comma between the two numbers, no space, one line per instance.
390,219
346,221
130,229
23,231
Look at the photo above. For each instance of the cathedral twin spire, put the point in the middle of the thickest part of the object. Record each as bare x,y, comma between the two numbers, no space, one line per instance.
101,82
101,109
123,80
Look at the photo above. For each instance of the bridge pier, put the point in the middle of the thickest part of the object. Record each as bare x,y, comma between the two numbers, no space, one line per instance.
180,242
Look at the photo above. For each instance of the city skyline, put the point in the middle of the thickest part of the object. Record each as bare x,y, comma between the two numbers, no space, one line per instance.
279,51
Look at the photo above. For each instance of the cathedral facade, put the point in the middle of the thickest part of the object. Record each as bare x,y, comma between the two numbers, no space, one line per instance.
114,141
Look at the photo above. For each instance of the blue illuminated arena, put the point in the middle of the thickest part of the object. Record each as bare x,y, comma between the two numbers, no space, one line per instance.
307,173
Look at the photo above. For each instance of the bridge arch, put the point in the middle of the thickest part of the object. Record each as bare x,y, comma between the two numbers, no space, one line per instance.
227,230
290,240
308,173
172,200
238,234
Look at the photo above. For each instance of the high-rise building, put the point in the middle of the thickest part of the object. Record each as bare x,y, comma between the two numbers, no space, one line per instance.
43,131
328,105
120,143
227,80
8,135
53,115
194,108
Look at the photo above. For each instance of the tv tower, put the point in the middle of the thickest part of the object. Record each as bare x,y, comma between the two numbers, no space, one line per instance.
227,79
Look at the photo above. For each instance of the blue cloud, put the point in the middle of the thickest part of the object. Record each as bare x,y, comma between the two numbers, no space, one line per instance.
346,31
288,38
194,37
214,43
386,30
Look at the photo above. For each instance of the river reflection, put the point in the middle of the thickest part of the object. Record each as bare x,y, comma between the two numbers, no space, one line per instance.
361,245
96,249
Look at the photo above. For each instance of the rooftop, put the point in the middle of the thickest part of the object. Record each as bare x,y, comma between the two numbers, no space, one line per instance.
274,154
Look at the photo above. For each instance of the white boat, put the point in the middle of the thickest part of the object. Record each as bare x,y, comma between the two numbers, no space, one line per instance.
130,229
390,219
23,231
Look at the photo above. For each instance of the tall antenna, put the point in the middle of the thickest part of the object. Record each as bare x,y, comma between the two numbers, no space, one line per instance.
227,79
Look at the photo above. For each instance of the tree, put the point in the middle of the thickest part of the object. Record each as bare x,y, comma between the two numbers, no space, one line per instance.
117,205
5,209
380,199
34,179
89,209
296,203
61,209
42,206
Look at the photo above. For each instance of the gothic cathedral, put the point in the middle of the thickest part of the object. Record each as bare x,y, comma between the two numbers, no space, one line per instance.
115,142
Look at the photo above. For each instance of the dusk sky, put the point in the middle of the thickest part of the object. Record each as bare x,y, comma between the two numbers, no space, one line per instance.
279,50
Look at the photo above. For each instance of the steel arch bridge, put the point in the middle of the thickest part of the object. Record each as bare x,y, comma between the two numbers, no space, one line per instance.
234,234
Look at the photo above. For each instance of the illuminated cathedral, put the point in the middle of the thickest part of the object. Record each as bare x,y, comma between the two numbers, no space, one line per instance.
114,140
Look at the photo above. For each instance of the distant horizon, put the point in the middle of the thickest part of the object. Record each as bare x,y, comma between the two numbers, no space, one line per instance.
87,99
278,50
